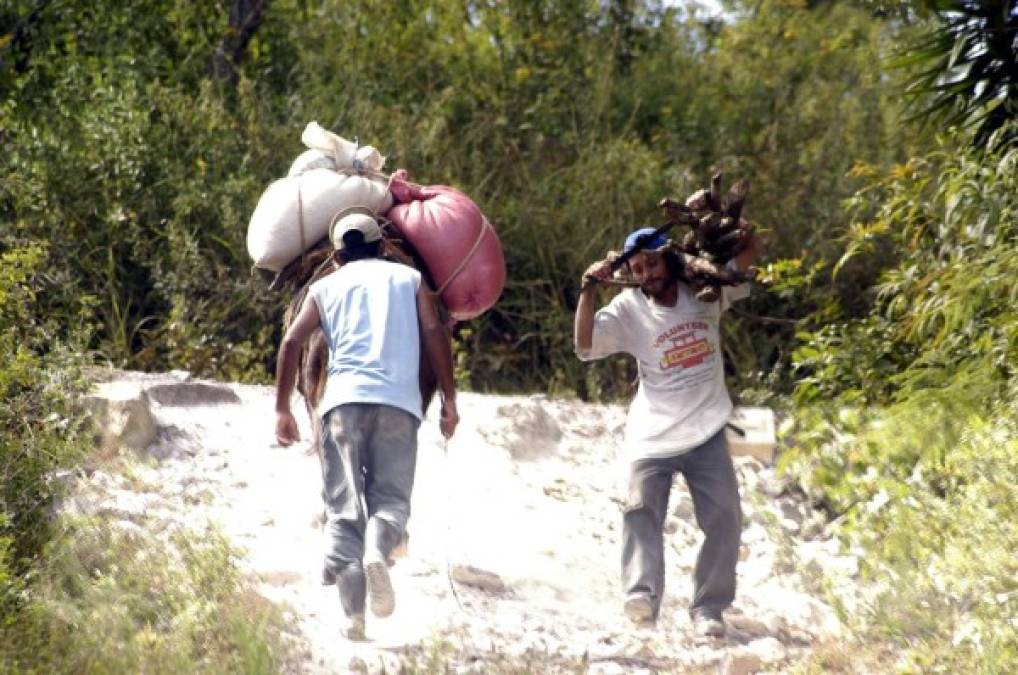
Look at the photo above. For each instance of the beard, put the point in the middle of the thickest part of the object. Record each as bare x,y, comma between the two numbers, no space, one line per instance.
656,288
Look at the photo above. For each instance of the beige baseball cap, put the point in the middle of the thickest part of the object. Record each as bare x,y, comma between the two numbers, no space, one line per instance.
359,218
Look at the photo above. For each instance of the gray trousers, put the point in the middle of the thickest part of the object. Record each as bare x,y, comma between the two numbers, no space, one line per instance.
711,479
369,454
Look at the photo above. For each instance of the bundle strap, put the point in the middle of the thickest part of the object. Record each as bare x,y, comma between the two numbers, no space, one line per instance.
485,226
448,531
365,171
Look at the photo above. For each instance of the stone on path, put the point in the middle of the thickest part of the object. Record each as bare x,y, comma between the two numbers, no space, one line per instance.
191,393
740,662
748,625
122,407
757,437
524,429
123,417
477,578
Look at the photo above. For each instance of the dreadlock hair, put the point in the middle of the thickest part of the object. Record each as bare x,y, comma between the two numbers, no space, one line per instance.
674,264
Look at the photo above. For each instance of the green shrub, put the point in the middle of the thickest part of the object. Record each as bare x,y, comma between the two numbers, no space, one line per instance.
41,429
566,123
926,489
85,597
110,600
908,417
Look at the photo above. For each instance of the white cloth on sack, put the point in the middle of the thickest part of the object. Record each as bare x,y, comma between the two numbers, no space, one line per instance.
327,150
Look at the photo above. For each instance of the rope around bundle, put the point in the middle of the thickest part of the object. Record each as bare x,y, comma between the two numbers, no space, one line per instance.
485,227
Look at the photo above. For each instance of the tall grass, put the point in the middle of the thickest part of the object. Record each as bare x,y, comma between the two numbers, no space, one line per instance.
111,600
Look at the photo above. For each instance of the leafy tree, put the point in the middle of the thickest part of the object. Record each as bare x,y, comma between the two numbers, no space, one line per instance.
965,65
137,172
565,120
792,97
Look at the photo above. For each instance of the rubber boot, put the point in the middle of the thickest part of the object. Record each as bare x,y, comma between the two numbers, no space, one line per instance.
352,589
380,540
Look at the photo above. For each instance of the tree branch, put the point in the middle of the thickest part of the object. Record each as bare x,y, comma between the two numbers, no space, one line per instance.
245,18
18,43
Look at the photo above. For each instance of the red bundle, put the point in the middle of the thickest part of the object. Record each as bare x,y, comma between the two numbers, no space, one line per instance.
456,242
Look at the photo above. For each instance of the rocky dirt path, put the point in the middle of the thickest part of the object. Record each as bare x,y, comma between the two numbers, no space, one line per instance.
514,537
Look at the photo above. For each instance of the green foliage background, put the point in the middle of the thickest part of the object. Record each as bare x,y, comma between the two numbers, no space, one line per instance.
565,122
907,414
883,322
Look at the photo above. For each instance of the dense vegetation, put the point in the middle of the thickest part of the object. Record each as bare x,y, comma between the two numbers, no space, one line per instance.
137,138
567,124
907,416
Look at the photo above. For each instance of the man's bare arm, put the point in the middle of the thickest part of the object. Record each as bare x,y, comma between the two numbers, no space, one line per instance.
583,324
439,353
286,369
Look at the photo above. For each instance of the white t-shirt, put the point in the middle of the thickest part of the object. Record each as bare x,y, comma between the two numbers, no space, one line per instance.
682,400
368,312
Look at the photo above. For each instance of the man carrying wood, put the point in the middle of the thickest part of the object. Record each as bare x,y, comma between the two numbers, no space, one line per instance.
375,315
676,422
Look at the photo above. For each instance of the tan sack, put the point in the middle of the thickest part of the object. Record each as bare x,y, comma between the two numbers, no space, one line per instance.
326,150
294,213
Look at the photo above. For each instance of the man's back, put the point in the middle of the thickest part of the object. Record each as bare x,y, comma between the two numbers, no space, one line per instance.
368,312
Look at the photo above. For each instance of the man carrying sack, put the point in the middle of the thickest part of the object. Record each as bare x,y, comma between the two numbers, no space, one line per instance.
375,315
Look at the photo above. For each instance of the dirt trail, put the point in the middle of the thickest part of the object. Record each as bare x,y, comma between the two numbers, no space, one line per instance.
527,494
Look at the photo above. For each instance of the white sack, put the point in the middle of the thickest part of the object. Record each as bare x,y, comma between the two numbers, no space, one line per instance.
273,235
311,159
329,151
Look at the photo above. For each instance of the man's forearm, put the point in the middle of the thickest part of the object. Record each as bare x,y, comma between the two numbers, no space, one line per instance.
286,373
436,343
583,326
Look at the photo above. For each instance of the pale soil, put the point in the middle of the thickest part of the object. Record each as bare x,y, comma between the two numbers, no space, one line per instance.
529,490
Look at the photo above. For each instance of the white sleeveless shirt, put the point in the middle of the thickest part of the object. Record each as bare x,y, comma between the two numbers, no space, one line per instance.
368,312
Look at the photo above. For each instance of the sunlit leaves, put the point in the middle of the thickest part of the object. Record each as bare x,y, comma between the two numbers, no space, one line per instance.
943,308
921,467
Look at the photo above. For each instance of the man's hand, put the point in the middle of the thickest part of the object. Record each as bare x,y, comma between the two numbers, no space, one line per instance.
597,272
449,418
286,428
749,255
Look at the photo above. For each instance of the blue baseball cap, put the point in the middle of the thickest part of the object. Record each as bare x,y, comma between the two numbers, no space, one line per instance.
644,238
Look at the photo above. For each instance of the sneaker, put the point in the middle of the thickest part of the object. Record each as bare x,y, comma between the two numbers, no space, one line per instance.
353,628
380,593
708,626
639,609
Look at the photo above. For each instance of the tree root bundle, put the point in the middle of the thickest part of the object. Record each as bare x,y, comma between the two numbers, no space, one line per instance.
718,233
